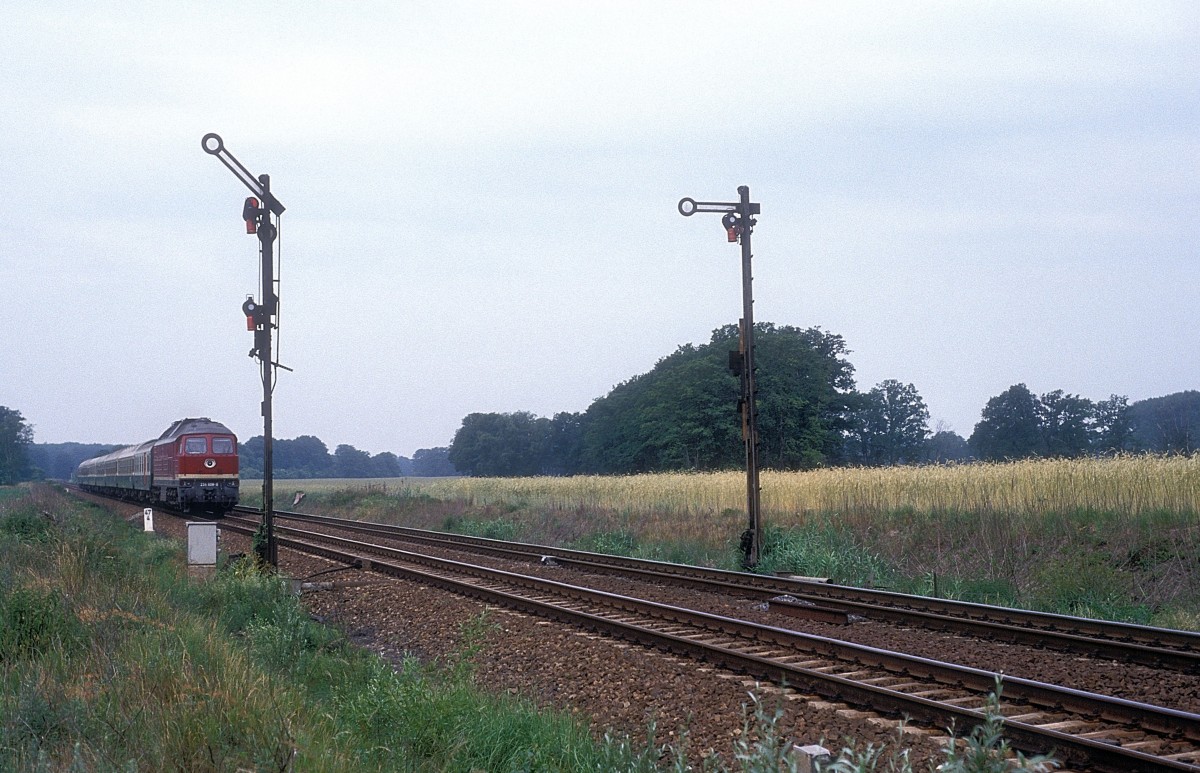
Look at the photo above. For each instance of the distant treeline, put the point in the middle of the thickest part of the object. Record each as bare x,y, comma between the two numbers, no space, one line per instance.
302,457
309,457
684,415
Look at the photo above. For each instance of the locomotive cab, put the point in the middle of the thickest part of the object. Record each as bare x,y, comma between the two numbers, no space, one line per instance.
208,471
196,466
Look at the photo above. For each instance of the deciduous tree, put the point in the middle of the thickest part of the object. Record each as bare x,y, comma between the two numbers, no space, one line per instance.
1066,423
16,436
1168,424
891,425
501,444
947,446
1010,427
432,463
1114,430
349,462
684,414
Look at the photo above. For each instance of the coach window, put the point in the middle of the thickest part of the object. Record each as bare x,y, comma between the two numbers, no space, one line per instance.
195,445
222,445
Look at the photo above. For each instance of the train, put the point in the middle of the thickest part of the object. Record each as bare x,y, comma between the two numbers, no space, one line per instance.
192,467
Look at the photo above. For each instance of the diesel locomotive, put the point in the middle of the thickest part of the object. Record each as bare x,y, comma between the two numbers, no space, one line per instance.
193,466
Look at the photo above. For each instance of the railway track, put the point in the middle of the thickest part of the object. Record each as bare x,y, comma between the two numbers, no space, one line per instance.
1085,730
1155,647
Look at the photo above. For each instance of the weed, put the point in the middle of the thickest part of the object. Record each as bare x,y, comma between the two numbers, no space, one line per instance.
43,718
25,524
985,750
820,550
616,543
761,746
32,622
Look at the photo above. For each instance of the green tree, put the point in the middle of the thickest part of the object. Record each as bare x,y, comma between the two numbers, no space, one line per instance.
385,464
805,393
562,454
684,413
501,444
16,437
1066,422
250,457
892,425
947,446
432,462
1010,427
349,462
1169,424
303,457
680,415
1114,430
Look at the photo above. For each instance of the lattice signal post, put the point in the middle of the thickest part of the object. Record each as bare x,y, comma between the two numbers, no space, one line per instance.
262,316
738,220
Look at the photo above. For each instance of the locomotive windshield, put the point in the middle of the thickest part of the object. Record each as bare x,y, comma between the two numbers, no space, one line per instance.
222,445
195,445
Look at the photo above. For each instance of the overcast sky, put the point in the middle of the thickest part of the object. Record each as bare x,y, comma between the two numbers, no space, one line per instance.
481,202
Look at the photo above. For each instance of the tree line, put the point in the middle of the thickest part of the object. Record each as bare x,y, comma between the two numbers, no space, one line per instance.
1018,424
684,415
308,457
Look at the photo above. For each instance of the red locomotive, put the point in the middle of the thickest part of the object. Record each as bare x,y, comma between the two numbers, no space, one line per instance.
191,466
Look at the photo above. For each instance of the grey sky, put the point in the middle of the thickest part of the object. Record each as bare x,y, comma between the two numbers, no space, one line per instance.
481,202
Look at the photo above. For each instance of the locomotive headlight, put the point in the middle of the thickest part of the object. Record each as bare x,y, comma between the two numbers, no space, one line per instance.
210,463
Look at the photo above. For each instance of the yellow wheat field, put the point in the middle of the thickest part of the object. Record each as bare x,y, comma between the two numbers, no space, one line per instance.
1128,484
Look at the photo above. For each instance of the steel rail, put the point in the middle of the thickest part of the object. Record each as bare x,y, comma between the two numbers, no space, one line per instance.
1126,642
1169,723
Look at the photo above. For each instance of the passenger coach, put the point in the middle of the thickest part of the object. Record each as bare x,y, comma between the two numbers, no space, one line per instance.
193,465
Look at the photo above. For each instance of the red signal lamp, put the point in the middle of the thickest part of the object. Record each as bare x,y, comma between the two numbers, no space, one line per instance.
732,228
250,212
251,310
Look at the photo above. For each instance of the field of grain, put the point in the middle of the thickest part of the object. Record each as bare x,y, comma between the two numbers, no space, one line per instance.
1133,485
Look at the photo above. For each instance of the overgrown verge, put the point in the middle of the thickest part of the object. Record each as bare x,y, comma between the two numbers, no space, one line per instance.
1136,568
110,660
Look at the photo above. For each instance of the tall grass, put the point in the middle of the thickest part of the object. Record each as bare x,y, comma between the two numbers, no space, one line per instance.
110,659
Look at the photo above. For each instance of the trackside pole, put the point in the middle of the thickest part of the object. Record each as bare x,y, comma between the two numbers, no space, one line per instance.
739,222
261,317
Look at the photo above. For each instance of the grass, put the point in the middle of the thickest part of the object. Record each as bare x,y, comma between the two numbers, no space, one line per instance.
110,659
